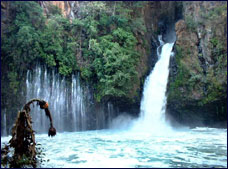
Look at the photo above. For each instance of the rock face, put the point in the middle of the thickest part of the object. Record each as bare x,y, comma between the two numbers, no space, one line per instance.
198,83
159,18
4,15
67,8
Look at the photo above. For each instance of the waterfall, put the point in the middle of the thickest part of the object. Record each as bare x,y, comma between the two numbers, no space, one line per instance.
72,6
65,99
153,103
159,47
4,129
71,105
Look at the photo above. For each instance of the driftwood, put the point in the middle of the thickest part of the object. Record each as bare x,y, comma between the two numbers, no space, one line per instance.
23,138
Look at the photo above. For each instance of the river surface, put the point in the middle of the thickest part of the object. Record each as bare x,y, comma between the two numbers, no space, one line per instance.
199,147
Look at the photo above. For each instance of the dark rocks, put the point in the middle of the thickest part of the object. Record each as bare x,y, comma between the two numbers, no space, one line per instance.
209,115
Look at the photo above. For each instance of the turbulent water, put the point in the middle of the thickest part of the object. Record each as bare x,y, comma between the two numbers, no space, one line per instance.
200,147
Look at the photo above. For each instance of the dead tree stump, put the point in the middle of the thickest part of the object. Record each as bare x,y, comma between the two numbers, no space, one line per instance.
23,137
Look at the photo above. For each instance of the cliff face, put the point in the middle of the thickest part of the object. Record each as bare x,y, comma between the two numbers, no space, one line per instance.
4,16
67,8
198,83
159,18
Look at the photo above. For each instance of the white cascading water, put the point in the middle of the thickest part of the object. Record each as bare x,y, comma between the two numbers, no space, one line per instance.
153,103
65,100
4,123
70,103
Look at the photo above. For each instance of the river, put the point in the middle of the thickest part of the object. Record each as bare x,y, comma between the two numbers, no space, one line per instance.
199,147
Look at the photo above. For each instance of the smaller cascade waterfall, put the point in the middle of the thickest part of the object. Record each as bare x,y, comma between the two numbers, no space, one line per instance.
77,95
159,47
110,113
153,103
4,124
65,100
71,104
72,5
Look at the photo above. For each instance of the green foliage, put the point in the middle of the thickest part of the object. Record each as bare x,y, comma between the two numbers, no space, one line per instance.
191,24
139,4
86,73
24,161
138,25
76,24
215,90
30,39
20,46
214,42
179,52
217,77
219,53
14,83
103,37
218,11
27,42
58,45
215,12
53,10
114,64
27,14
187,81
109,48
180,83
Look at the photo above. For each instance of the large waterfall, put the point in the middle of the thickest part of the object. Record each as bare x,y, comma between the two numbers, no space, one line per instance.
70,104
153,103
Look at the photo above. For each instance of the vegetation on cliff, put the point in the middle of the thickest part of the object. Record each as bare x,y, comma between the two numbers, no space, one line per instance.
201,60
108,48
102,40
